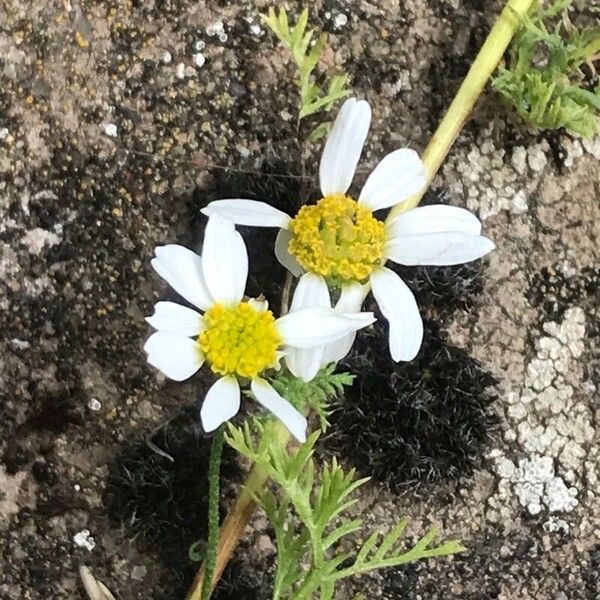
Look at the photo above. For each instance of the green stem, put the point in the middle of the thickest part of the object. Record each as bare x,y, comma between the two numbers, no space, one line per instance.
481,70
214,472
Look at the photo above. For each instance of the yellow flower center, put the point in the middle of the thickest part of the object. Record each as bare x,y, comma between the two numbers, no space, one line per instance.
240,340
337,238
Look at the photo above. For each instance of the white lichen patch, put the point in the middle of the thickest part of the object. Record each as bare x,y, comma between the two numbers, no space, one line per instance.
492,180
555,418
38,239
489,182
550,423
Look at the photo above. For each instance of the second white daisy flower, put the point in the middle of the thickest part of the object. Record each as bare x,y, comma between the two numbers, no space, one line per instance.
240,339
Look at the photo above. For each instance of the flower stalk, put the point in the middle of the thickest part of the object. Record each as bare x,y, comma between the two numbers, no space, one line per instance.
469,92
214,473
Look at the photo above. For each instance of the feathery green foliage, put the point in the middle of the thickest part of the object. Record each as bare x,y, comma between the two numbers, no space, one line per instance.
313,395
543,80
306,53
309,514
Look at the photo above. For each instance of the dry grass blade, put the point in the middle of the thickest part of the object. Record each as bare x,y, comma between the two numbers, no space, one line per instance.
95,589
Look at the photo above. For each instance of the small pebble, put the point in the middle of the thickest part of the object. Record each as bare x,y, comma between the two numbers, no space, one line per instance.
223,37
139,572
94,404
215,29
180,72
340,20
83,539
110,129
199,45
255,29
166,57
3,133
199,59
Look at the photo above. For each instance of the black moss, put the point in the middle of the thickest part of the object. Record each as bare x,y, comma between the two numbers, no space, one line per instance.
242,580
441,291
553,292
411,423
158,487
162,500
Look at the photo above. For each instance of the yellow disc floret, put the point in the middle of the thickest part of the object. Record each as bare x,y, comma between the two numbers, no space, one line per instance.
337,238
240,340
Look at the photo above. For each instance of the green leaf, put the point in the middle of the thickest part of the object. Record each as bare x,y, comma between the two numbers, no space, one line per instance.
361,557
314,395
390,539
343,530
319,132
543,80
306,55
309,507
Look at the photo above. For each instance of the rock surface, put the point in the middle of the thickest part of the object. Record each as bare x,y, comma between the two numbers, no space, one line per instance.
118,121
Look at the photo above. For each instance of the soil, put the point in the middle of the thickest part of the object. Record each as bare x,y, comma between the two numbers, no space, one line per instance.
119,121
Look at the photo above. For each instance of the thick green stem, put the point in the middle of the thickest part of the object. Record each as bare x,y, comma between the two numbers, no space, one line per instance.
481,70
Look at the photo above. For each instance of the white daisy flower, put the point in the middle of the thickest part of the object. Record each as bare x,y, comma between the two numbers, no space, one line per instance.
240,339
340,240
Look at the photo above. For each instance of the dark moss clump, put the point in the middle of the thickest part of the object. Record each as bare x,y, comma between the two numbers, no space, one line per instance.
414,422
158,492
553,292
444,290
243,580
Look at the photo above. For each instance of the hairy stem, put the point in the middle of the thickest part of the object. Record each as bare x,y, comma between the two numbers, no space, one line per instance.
203,582
235,523
214,474
481,70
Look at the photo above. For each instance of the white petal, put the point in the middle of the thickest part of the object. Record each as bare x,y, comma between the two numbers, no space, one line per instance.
224,260
433,219
221,403
397,177
344,147
310,327
310,291
305,363
335,351
173,317
351,299
259,304
280,407
283,256
248,212
182,270
443,248
177,356
399,307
